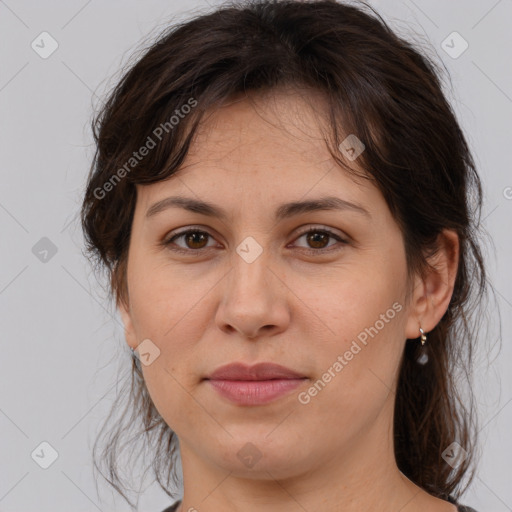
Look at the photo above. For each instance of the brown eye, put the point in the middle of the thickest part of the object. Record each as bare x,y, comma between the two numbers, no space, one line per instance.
196,239
317,240
193,239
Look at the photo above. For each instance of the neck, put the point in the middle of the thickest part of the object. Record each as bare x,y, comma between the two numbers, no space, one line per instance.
363,477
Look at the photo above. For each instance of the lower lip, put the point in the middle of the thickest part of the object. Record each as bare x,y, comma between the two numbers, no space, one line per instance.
255,392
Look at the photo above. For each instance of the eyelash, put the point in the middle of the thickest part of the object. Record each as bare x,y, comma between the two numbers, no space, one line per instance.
168,243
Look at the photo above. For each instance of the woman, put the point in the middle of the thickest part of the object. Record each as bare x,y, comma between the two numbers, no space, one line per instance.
288,211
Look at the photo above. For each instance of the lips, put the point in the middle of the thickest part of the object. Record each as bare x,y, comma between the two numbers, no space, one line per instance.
254,385
260,371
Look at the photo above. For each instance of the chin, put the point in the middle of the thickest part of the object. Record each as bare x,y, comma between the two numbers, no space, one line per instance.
261,457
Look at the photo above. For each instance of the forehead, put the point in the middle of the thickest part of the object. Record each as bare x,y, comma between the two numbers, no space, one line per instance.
261,147
282,124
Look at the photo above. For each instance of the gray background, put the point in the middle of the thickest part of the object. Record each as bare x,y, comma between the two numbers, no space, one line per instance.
62,349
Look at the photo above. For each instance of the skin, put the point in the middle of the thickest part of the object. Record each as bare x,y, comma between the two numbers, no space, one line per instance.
211,307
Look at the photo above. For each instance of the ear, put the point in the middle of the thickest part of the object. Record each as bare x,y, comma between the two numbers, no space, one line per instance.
129,331
432,293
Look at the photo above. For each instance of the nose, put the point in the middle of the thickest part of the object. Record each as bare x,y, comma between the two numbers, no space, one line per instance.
254,300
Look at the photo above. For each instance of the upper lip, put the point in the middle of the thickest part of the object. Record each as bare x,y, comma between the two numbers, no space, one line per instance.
260,371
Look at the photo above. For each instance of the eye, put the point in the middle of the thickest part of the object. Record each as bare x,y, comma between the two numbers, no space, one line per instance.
318,239
194,240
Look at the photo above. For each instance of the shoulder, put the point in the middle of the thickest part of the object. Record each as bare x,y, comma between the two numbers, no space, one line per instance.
173,507
460,508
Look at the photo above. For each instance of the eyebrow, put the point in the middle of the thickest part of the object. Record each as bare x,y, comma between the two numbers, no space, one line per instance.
284,211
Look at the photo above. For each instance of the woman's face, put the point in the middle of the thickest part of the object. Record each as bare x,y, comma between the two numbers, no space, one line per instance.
252,287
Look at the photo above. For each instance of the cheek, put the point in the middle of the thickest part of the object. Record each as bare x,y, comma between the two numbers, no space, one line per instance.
357,365
167,316
358,302
167,302
362,319
172,318
177,404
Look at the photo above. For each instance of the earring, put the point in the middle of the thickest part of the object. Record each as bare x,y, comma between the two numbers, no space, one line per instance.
423,352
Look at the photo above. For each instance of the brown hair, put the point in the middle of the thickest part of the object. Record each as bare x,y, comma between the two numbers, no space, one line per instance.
376,85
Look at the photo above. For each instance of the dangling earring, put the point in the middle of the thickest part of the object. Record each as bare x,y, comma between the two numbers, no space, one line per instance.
423,353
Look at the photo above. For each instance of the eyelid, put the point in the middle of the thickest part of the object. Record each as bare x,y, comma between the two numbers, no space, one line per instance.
320,227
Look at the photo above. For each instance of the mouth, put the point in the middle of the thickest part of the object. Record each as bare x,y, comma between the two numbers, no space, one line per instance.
255,392
254,385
